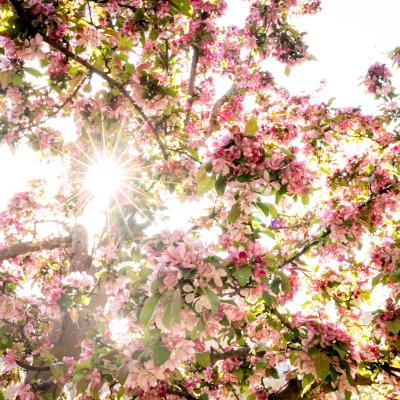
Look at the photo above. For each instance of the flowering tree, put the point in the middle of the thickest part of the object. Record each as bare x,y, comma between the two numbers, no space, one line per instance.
268,294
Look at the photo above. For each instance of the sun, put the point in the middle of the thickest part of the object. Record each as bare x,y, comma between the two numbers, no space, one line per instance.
104,179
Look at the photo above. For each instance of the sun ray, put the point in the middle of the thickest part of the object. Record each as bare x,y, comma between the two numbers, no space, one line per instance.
139,191
118,136
84,153
133,204
103,130
123,217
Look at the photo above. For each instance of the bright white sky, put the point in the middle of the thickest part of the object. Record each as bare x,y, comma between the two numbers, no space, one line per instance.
346,38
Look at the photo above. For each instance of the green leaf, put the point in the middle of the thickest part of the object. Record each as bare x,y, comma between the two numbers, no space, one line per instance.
321,363
243,275
347,395
122,374
268,299
261,346
203,359
238,373
341,349
394,277
206,184
220,185
16,80
84,364
279,193
172,309
275,285
183,6
393,326
263,208
125,44
57,369
214,299
33,71
160,354
149,309
153,35
81,385
261,365
287,70
234,214
305,200
251,127
378,278
285,283
272,210
306,383
129,68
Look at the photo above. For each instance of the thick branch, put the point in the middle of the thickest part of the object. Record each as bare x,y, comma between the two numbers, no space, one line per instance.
192,80
30,367
193,71
218,105
20,249
237,352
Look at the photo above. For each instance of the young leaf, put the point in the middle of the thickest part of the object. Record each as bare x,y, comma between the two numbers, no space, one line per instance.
33,71
149,309
272,210
205,185
234,214
243,275
251,127
172,309
393,326
306,383
321,363
160,354
220,185
214,299
203,359
263,208
183,6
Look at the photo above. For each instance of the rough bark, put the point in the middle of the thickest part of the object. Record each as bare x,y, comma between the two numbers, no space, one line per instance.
66,335
23,248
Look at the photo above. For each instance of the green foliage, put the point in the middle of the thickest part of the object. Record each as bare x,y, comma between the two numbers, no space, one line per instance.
243,275
234,214
148,310
307,383
182,6
160,354
251,127
172,303
322,364
203,359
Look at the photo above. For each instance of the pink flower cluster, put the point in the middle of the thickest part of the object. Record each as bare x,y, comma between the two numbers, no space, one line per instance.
377,80
58,66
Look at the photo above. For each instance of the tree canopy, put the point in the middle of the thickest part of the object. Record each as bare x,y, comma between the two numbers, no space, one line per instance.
286,283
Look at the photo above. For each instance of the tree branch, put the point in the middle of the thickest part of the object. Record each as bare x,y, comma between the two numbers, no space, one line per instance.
237,352
193,71
112,82
20,249
192,80
30,367
327,232
213,122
